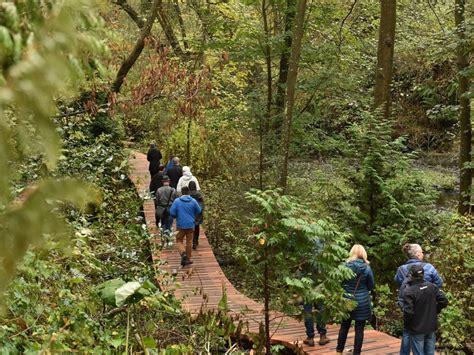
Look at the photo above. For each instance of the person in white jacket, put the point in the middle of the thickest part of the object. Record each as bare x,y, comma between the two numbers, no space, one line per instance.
186,179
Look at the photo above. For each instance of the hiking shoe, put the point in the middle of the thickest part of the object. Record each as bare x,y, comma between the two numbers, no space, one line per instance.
323,339
184,259
195,247
309,341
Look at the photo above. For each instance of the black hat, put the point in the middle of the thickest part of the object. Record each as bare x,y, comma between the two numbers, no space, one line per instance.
165,178
417,270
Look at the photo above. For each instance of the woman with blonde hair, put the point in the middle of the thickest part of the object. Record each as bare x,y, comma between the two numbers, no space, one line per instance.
358,289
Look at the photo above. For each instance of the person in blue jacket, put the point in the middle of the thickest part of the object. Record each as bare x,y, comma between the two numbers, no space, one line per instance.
358,288
185,209
415,255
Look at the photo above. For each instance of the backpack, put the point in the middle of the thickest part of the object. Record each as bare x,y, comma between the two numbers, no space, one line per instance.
161,209
406,279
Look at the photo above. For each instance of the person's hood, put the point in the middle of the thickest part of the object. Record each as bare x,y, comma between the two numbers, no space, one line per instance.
413,261
186,169
186,198
187,175
358,266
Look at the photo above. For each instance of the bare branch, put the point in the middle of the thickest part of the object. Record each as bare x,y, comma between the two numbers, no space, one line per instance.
431,6
342,24
137,50
131,12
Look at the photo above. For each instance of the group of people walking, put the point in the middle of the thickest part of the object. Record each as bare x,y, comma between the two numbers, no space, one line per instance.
420,299
177,195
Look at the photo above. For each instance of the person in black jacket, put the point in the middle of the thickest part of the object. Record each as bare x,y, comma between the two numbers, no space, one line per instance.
422,301
197,195
175,172
154,157
156,180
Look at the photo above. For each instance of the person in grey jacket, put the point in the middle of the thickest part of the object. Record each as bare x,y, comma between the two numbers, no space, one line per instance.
165,196
358,288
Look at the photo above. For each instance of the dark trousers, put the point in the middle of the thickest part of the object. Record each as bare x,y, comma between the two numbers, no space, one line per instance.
196,235
309,321
166,221
359,335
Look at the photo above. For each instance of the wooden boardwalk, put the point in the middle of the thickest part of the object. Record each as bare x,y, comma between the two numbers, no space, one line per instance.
201,284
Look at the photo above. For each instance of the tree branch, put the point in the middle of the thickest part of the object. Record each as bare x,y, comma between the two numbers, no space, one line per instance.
131,12
431,6
181,24
137,50
169,32
342,25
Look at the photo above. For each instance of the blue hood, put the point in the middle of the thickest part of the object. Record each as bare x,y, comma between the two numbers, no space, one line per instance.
358,266
186,198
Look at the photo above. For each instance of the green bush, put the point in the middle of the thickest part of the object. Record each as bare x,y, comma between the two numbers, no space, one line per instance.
389,205
455,256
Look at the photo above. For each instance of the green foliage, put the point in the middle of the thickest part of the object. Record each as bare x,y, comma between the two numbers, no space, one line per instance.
454,322
457,266
388,314
37,43
217,147
390,205
286,237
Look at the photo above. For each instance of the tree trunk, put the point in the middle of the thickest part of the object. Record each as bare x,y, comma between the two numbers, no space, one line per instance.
386,44
266,310
181,24
188,142
137,50
264,126
169,32
465,128
291,88
280,98
131,12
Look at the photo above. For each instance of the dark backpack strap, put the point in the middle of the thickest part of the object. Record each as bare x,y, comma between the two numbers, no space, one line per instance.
357,284
169,198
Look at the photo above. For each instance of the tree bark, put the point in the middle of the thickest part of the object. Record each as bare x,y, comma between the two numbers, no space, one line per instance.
169,32
137,50
264,126
386,44
188,142
465,127
291,88
131,12
181,24
268,58
266,306
280,98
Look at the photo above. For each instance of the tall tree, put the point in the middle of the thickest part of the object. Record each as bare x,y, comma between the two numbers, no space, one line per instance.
137,49
291,88
182,27
134,15
465,127
280,99
168,30
386,44
264,125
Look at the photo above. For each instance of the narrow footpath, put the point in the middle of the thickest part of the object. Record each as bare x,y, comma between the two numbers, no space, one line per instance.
201,287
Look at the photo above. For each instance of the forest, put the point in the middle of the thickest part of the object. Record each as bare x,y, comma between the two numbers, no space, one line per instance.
311,126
